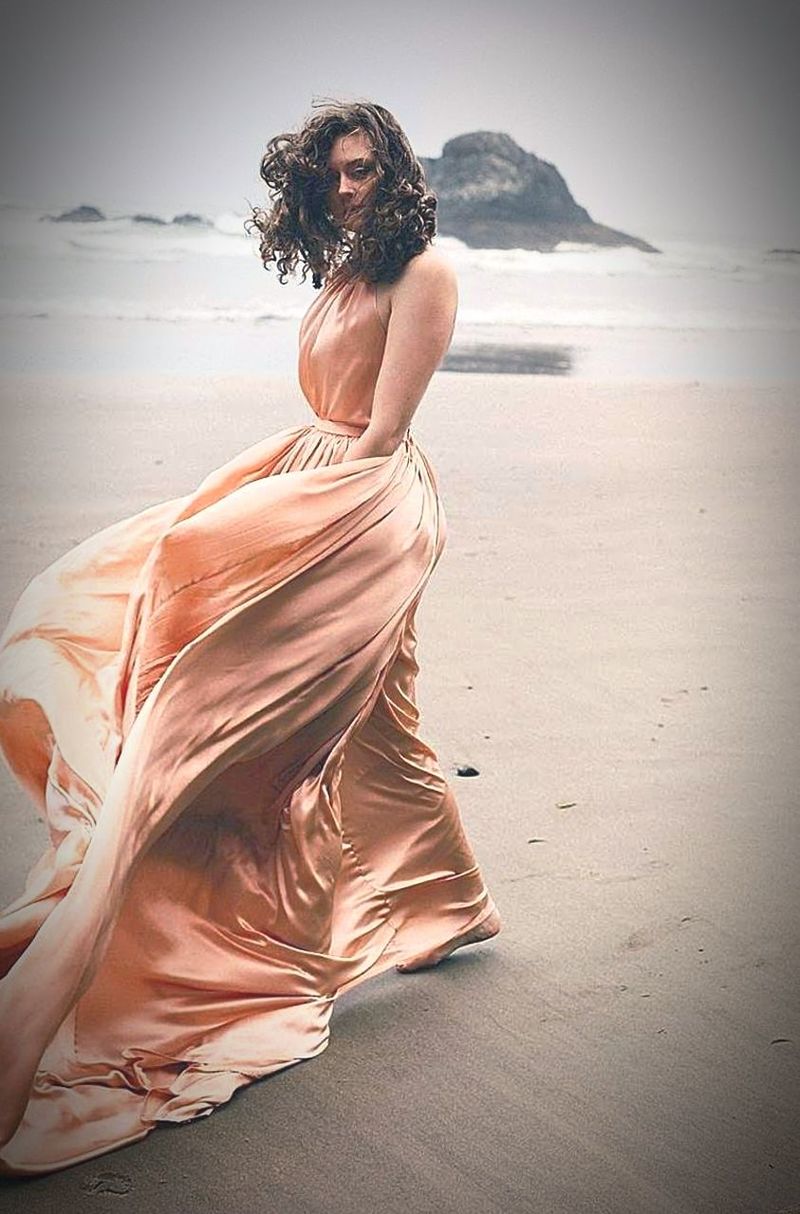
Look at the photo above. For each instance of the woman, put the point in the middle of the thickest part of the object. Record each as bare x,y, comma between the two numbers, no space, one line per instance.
213,705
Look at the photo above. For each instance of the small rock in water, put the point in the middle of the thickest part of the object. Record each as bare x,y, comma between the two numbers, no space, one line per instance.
190,220
82,214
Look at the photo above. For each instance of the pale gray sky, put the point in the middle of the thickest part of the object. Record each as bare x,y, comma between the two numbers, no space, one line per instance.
667,117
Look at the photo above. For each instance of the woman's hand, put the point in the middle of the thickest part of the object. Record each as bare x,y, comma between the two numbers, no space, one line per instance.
371,442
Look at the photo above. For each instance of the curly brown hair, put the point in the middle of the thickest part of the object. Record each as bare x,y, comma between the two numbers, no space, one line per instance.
399,222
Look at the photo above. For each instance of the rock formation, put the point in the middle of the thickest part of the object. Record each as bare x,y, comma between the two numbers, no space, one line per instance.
493,194
189,220
84,214
87,214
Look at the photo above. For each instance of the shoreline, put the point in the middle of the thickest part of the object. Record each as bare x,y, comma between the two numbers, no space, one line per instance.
59,345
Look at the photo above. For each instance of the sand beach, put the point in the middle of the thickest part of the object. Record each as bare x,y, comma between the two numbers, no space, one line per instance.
611,641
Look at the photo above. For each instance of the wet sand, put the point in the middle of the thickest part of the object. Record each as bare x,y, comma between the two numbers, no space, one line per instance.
611,640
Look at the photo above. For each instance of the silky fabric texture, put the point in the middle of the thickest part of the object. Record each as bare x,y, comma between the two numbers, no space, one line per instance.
212,704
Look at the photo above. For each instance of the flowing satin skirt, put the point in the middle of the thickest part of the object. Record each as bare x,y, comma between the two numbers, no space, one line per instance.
212,704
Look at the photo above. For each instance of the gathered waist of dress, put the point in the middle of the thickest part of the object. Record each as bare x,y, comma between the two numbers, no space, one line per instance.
334,427
330,426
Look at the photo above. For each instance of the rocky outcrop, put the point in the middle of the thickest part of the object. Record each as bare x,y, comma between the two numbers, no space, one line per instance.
189,220
493,194
82,214
87,214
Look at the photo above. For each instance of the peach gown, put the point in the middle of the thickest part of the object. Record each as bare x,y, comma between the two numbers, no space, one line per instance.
212,704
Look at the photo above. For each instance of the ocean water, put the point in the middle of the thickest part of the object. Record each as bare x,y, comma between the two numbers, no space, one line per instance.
125,297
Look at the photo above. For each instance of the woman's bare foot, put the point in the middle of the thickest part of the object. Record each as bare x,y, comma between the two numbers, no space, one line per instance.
484,930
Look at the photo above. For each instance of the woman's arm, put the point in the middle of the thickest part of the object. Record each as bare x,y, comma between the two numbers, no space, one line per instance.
424,305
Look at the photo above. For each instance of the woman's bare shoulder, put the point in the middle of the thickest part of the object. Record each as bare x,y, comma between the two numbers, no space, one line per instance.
430,265
429,275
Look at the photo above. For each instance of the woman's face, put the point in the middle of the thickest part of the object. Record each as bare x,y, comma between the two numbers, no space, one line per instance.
352,177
